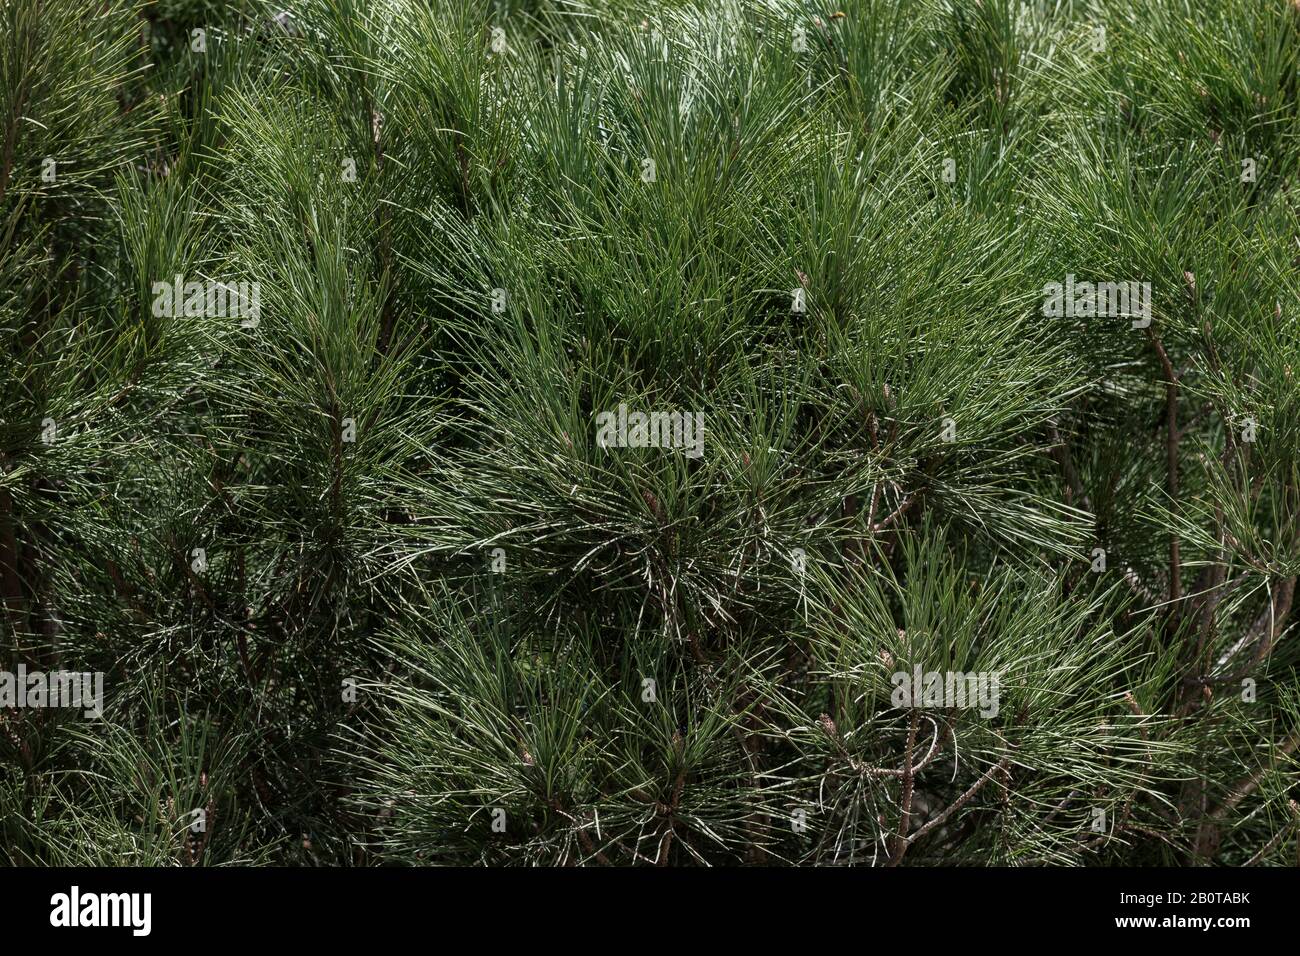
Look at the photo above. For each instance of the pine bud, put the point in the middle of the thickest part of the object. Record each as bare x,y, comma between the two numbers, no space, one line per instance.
657,509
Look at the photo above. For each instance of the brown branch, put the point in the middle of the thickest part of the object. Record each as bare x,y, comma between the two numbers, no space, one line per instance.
909,779
936,745
1000,767
1264,632
1262,635
1216,574
1171,462
897,513
1073,482
1270,846
1248,785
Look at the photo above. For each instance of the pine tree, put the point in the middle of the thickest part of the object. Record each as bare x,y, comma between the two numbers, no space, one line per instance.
627,432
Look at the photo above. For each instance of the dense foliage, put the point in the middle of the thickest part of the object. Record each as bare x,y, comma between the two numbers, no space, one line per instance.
364,586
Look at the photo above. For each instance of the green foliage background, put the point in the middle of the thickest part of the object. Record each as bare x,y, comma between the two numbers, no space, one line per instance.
771,736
